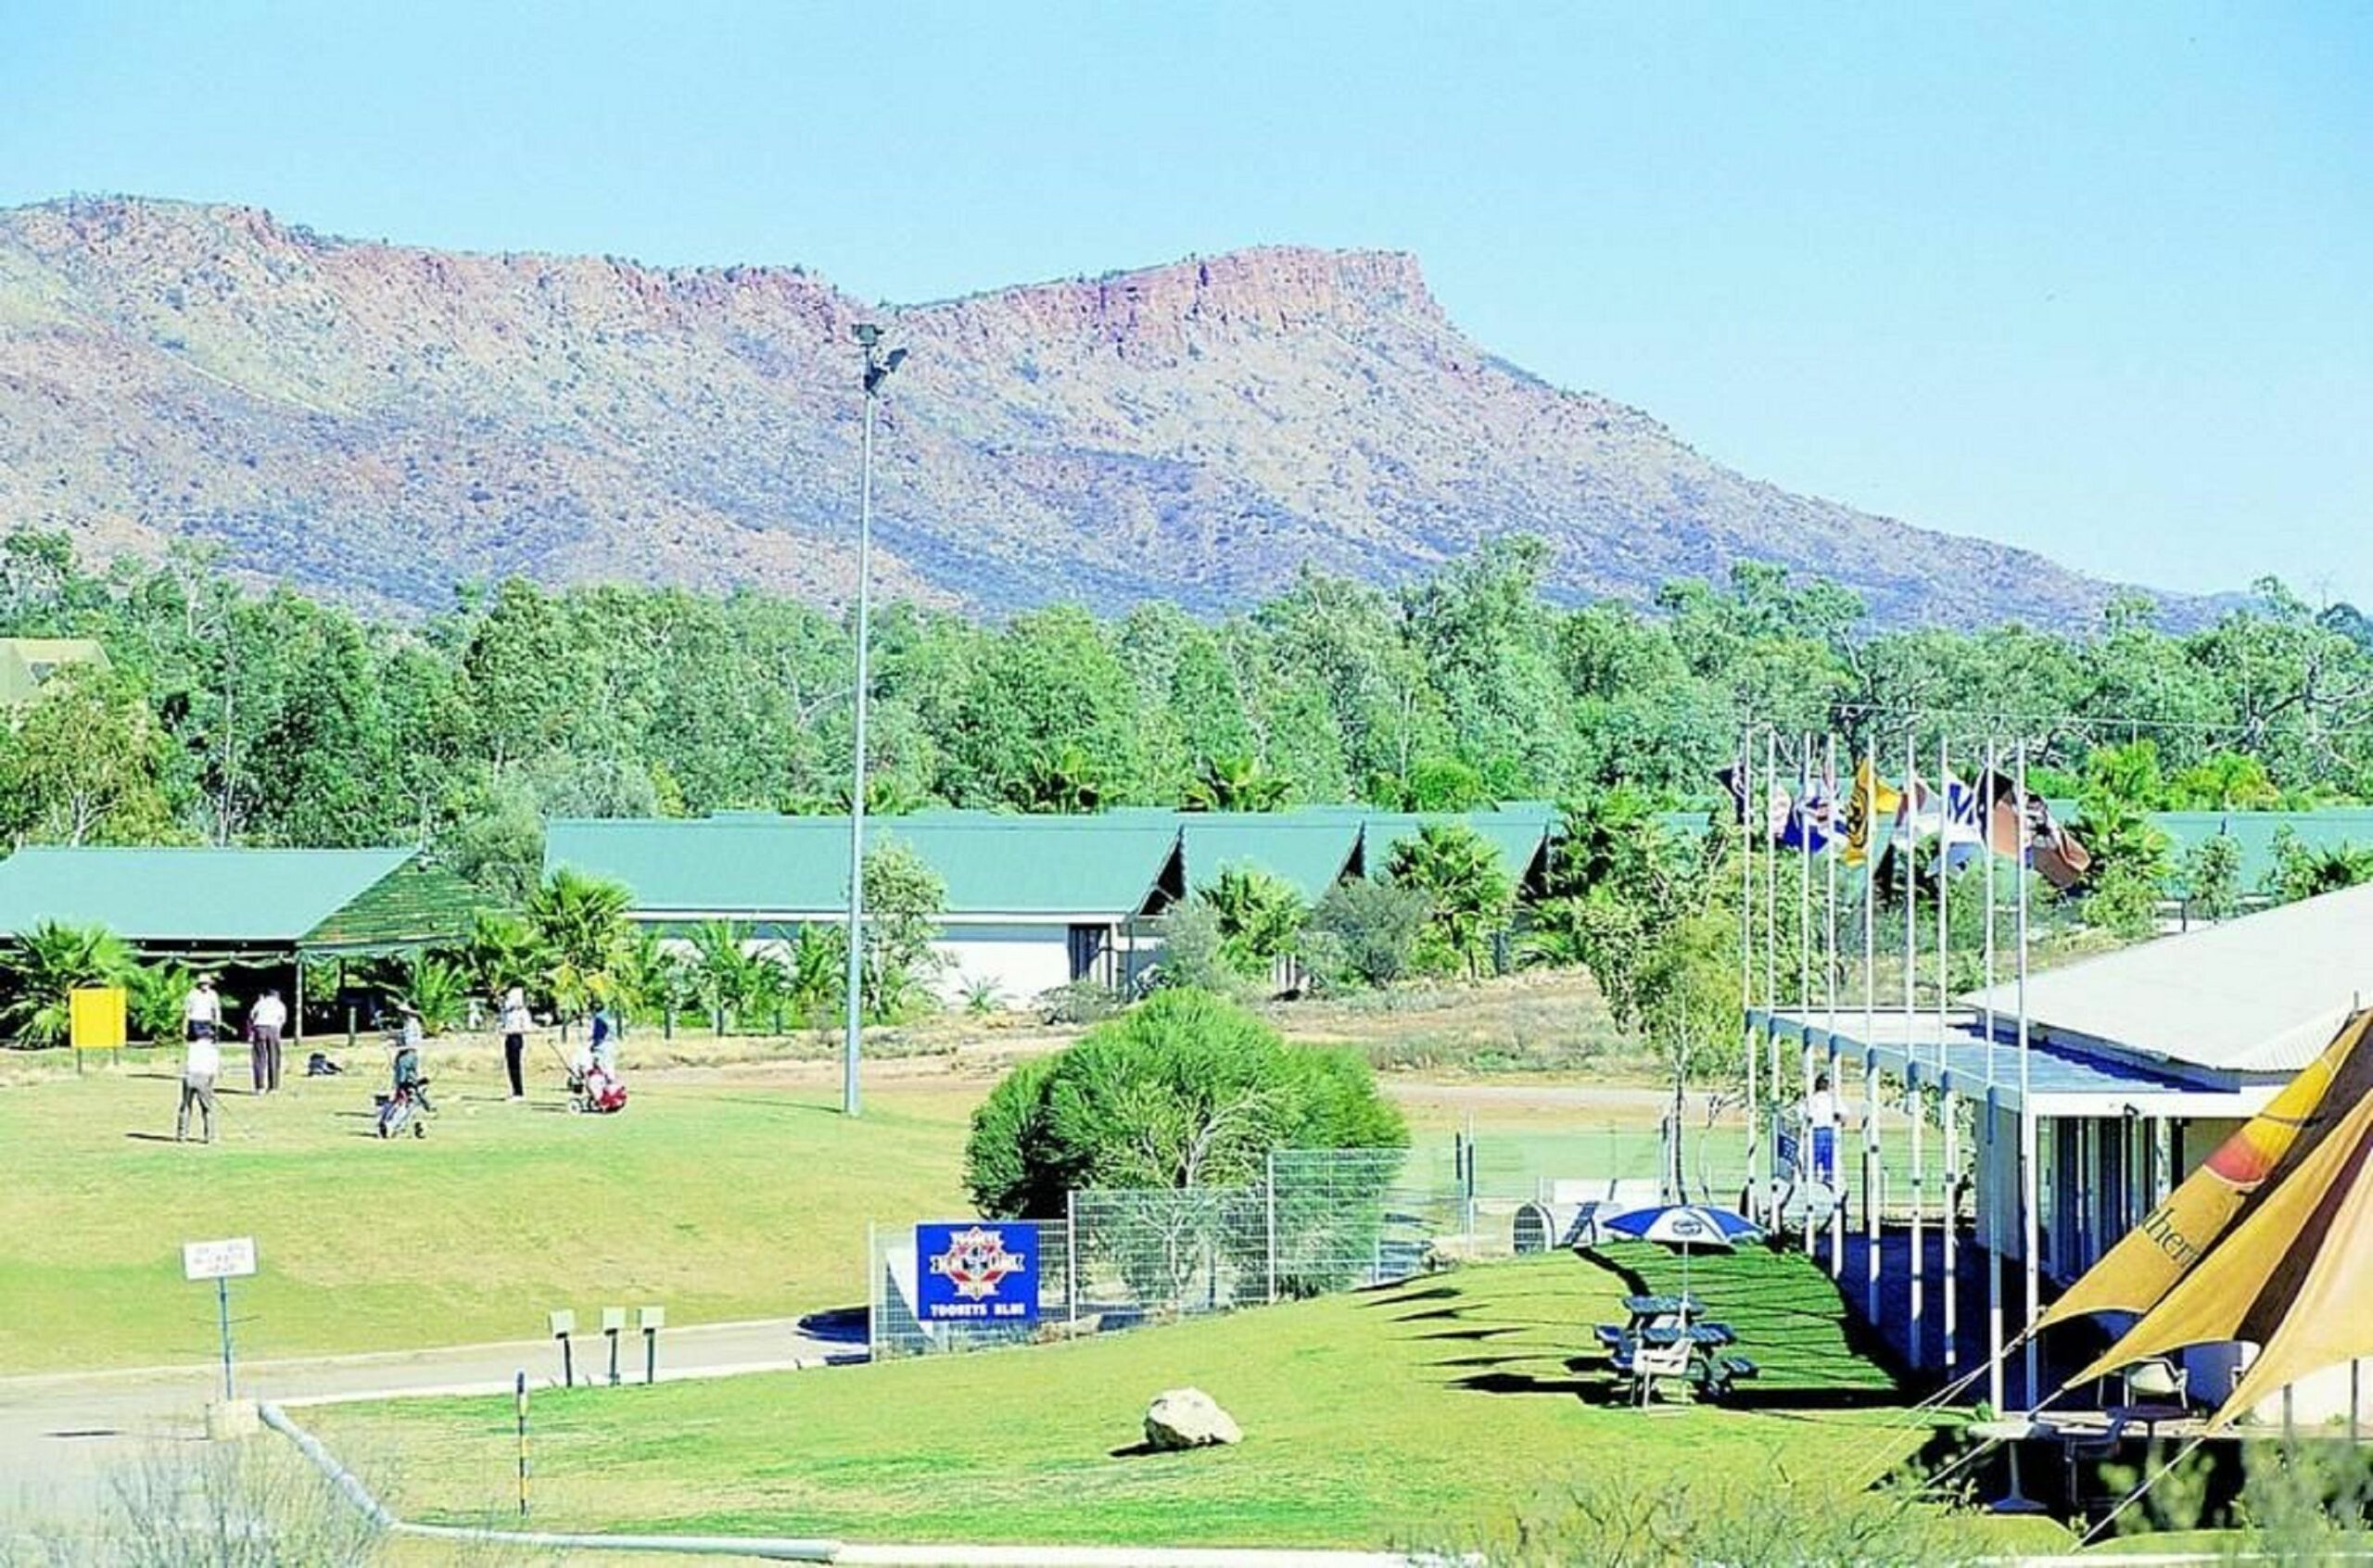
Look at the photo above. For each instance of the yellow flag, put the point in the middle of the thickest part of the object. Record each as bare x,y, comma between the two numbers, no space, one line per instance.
1873,798
2143,1266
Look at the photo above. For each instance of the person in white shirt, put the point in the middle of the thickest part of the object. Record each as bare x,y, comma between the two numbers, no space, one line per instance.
265,1020
514,1039
1820,1117
202,1011
201,1060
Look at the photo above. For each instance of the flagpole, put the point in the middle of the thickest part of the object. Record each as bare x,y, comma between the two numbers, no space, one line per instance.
1760,1208
2028,1175
1829,1002
1747,814
1992,1192
1909,815
1804,969
1950,1133
1870,1032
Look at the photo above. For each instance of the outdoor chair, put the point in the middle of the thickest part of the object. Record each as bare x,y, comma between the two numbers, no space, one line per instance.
1650,1362
2157,1379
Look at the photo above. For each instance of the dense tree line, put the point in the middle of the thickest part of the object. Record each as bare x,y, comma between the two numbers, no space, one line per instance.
233,715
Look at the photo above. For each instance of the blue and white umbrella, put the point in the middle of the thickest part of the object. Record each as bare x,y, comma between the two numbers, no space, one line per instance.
1687,1226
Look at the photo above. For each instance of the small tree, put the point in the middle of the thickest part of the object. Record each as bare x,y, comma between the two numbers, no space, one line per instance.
2303,871
581,931
904,901
437,989
1467,889
2213,876
1194,950
1185,1090
1260,915
502,952
50,963
726,975
156,993
1364,931
1236,783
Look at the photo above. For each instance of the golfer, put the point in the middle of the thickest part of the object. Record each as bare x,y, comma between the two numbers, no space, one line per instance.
514,1039
202,1011
201,1060
265,1020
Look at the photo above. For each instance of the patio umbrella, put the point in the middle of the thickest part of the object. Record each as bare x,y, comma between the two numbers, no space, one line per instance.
1685,1226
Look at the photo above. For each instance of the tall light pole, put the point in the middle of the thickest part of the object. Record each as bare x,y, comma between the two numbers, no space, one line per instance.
879,364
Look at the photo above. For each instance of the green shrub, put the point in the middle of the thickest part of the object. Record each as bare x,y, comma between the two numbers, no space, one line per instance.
46,966
1363,932
1187,1090
1194,951
156,995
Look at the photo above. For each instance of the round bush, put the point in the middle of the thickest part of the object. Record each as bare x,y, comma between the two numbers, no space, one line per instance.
1185,1090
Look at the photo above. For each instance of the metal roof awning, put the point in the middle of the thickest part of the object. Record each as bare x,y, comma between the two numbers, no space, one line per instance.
1954,1054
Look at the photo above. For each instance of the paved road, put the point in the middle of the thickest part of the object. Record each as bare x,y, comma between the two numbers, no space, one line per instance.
61,1433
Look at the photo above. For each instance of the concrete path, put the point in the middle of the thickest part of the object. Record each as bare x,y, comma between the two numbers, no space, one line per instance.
61,1432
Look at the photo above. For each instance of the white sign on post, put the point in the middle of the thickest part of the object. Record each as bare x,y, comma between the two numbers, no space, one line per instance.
234,1258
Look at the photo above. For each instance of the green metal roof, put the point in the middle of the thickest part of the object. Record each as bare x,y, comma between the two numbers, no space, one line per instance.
260,897
1520,832
992,864
1312,853
2255,831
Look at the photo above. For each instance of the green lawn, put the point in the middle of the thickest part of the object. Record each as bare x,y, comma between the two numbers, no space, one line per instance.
1414,1415
721,1200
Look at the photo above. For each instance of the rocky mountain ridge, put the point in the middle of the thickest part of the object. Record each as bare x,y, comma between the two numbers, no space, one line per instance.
381,421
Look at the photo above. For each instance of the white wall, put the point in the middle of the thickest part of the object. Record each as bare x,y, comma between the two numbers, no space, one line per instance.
1020,960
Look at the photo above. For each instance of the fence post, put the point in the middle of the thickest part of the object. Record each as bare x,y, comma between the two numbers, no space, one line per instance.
873,1292
1270,1197
1070,1260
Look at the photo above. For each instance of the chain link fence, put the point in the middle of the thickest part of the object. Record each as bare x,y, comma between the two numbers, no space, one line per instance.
1320,1221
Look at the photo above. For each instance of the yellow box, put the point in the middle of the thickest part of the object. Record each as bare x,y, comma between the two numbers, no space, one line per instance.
95,1018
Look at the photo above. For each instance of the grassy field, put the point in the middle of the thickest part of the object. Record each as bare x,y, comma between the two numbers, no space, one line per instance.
723,1199
1418,1415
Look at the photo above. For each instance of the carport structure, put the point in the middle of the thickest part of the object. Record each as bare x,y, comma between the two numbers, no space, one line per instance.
265,909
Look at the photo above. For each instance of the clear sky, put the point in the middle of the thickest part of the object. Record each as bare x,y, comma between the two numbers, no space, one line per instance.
2097,279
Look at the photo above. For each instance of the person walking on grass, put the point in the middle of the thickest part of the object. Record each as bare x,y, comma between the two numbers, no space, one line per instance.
265,1020
201,1060
514,1039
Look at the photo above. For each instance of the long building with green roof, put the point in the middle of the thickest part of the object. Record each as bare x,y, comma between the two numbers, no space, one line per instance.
1033,902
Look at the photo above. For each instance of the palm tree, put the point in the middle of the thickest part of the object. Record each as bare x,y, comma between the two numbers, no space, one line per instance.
725,973
50,963
1236,783
436,990
502,952
1259,916
581,930
1461,876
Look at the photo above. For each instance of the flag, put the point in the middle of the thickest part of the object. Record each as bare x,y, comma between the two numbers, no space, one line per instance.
1919,812
2027,831
1776,807
1872,798
1812,821
1962,840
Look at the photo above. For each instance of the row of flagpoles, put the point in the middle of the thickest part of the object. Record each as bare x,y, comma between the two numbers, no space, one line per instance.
1991,819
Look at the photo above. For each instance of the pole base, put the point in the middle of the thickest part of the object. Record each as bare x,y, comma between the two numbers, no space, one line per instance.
227,1420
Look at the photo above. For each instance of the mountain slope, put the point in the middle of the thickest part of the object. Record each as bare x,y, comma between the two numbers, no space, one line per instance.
380,421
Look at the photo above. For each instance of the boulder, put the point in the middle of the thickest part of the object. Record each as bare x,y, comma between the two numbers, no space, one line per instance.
1188,1418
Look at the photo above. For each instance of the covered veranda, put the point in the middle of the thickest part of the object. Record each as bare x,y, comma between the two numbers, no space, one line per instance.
1946,1232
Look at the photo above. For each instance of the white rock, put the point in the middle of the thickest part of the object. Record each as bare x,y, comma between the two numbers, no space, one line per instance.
1188,1418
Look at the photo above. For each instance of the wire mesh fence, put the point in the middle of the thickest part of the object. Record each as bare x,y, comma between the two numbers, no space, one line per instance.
1318,1220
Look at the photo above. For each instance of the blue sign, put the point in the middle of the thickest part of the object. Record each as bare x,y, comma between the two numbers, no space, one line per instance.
977,1272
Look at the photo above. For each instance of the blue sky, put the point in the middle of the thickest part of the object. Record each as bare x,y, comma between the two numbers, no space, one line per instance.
2093,279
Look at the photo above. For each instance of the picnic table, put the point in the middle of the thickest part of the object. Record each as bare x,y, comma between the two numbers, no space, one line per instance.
1704,1363
1649,1307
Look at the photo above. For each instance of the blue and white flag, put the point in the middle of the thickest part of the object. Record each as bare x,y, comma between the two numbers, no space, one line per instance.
1812,821
1963,833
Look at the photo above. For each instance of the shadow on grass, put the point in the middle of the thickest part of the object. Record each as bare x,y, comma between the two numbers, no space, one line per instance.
1395,1296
